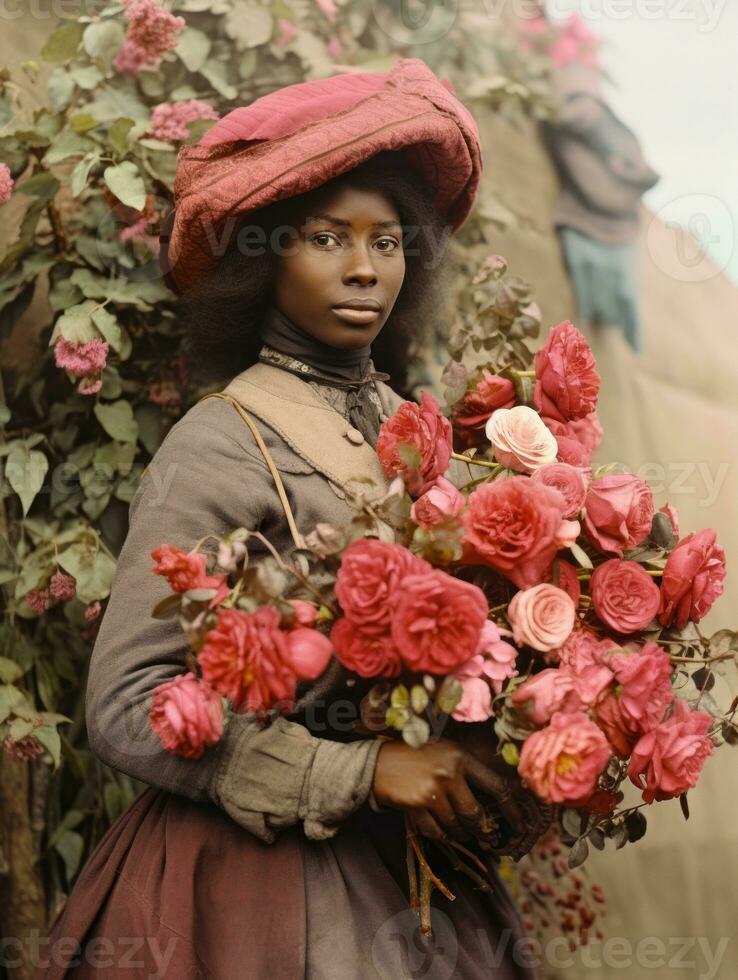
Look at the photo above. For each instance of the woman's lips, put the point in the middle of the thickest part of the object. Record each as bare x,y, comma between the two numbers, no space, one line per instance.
355,316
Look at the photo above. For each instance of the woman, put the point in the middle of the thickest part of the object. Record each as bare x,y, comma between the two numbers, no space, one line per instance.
280,852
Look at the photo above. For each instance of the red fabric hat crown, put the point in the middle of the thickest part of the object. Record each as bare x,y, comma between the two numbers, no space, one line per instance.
299,137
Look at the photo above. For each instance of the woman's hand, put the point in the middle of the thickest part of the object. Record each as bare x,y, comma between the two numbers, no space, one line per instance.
434,784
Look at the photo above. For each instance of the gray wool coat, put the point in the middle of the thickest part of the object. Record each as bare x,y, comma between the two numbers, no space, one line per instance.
209,476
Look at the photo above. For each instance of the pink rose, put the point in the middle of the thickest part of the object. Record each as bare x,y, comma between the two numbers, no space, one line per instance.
437,621
542,617
559,689
568,480
582,648
187,715
371,573
470,416
246,658
668,760
184,570
416,444
618,512
484,673
367,654
308,652
643,692
573,452
693,579
439,503
673,517
586,431
520,440
512,526
568,580
562,762
305,612
624,595
567,384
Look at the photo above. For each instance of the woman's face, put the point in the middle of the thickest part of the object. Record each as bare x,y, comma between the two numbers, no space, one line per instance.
347,249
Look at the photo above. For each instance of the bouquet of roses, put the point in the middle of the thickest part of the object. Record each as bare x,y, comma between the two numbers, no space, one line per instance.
499,580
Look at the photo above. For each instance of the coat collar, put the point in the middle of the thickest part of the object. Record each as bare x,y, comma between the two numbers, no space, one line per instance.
315,430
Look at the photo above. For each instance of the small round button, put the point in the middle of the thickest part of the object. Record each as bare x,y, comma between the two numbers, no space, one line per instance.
354,436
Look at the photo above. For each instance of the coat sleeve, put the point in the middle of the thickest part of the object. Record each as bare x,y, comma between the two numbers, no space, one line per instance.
203,481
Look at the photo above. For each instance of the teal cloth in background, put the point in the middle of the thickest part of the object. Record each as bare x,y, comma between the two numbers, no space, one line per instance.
605,282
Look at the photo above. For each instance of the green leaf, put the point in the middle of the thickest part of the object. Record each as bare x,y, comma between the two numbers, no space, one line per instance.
193,48
416,731
118,133
108,326
117,420
67,144
249,24
82,122
86,76
102,41
42,185
76,325
63,43
19,728
60,88
81,173
25,471
510,753
92,568
418,698
112,103
70,846
9,670
216,73
578,854
126,182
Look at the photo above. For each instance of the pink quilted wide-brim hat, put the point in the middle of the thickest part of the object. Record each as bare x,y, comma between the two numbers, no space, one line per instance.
299,137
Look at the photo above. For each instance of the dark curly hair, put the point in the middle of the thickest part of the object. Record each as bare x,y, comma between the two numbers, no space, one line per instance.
221,315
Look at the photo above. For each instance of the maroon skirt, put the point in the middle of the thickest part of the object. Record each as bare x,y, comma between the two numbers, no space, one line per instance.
176,889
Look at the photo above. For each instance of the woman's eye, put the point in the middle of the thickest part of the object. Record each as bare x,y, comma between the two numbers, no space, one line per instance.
326,236
391,244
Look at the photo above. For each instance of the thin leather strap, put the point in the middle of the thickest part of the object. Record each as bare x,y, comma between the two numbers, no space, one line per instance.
296,536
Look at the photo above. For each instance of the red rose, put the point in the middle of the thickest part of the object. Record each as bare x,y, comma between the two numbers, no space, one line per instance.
642,694
187,715
693,579
371,573
246,658
184,570
437,621
567,384
416,444
367,654
668,760
618,512
513,526
624,595
471,414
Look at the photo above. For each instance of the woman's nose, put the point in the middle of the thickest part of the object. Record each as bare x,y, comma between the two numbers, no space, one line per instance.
359,267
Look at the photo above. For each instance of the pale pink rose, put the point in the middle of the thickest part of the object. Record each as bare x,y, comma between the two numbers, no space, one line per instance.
567,384
618,512
693,579
520,440
305,612
568,480
187,715
624,595
560,689
562,762
415,443
439,503
437,621
668,760
567,534
643,692
512,526
63,587
498,656
308,652
542,617
476,700
368,654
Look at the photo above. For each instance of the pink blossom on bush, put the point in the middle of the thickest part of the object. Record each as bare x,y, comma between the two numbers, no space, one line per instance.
562,762
667,761
92,612
62,587
169,119
187,715
90,385
80,360
152,30
22,749
287,32
6,183
39,600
